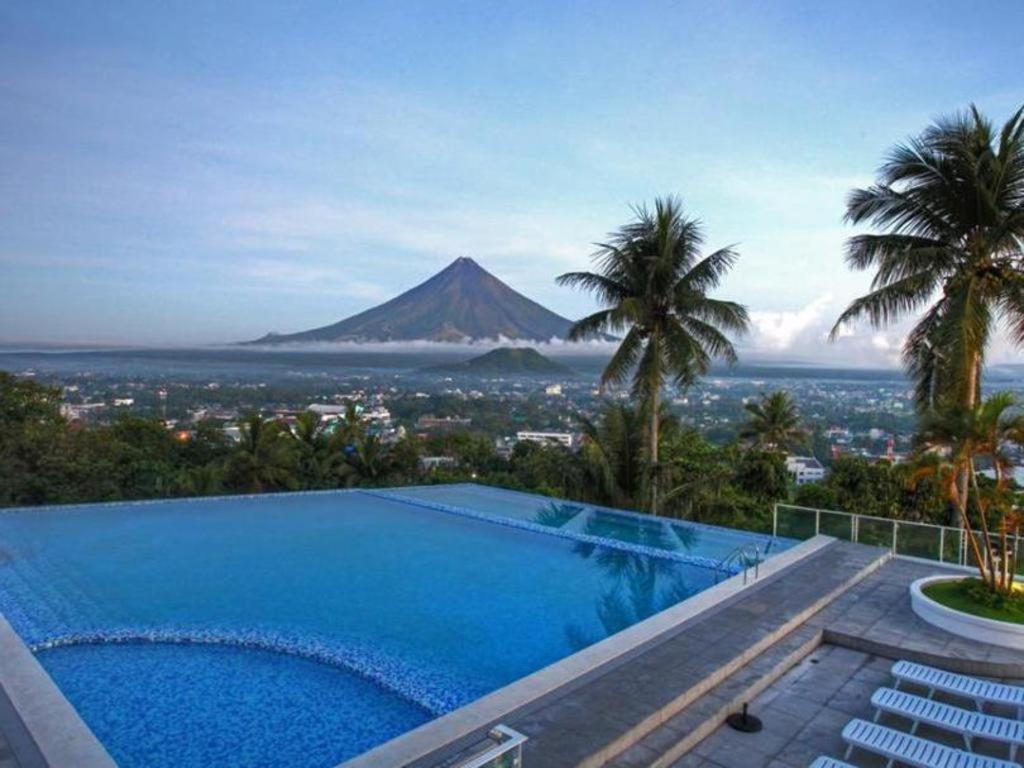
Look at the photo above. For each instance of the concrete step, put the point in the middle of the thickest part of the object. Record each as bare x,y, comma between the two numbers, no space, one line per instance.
681,733
700,668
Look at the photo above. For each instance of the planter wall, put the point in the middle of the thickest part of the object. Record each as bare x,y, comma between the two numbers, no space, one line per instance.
983,630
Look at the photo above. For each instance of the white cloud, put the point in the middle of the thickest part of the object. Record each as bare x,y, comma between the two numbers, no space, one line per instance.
779,330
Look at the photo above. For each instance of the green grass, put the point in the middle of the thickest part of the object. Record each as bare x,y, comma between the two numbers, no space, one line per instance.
971,596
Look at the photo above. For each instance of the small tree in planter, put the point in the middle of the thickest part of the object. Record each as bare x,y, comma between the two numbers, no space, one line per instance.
952,443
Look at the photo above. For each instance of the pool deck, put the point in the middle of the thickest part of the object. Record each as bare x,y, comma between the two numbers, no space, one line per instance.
849,602
804,713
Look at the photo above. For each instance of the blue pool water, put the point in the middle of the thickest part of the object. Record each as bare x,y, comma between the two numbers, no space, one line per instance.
303,629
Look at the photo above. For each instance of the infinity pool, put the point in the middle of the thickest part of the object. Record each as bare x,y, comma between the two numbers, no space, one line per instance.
304,629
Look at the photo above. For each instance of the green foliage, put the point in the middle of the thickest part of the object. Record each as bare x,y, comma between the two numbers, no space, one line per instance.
953,442
866,488
774,424
653,284
974,596
950,215
816,496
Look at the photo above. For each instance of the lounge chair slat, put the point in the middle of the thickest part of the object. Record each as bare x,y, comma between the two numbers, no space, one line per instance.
913,750
960,685
960,721
829,762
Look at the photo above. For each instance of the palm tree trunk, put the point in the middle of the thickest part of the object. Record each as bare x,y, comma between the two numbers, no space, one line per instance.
970,401
654,450
986,538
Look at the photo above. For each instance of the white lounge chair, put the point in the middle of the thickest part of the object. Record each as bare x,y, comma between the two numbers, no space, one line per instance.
980,691
912,750
970,725
829,762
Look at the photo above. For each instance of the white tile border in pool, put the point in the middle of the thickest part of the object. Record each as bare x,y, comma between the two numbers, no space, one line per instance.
57,731
463,722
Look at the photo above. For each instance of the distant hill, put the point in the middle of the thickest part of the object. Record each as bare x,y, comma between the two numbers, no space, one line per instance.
505,360
462,302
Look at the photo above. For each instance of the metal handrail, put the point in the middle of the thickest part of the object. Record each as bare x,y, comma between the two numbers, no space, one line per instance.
507,740
744,551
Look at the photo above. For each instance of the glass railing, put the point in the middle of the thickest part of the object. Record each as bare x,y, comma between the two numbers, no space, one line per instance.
940,543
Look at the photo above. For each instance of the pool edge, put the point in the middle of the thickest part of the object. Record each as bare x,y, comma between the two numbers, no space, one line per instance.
52,731
449,729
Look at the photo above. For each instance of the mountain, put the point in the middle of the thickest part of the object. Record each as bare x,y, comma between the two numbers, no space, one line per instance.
505,360
462,302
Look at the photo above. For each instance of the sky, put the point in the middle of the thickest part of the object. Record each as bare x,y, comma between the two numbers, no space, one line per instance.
179,173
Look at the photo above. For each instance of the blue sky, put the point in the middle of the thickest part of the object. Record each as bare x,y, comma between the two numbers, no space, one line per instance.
193,173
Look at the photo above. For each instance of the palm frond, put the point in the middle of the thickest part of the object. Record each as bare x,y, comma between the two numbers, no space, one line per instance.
885,304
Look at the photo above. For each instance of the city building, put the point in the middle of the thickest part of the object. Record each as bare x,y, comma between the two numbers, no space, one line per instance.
442,424
566,439
805,469
428,463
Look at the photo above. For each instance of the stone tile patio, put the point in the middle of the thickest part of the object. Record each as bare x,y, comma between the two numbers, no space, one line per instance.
7,759
804,713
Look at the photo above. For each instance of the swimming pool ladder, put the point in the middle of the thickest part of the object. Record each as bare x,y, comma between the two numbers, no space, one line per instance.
507,751
747,555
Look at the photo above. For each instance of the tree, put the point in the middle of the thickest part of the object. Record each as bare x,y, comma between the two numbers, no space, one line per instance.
264,459
949,205
318,453
774,424
33,439
612,452
952,442
654,284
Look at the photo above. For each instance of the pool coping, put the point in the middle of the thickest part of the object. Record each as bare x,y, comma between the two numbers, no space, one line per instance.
42,726
465,721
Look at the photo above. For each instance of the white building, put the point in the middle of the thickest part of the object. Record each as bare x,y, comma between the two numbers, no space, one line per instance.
805,469
547,438
328,409
80,410
553,389
428,463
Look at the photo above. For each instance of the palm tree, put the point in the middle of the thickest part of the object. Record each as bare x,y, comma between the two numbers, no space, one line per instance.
949,207
774,423
264,458
319,456
653,283
612,450
951,444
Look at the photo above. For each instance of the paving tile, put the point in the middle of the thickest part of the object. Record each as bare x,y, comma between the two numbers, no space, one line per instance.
852,697
691,760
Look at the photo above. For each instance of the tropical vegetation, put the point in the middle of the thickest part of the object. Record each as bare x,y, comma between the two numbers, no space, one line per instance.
774,424
653,284
953,443
948,207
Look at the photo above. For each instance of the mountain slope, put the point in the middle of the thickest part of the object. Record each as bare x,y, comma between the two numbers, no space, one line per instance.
462,302
505,360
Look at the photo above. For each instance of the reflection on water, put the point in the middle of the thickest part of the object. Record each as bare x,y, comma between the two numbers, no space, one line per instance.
649,533
641,587
688,535
556,514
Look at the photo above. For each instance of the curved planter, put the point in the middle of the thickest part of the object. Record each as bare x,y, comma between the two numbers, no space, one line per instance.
1004,633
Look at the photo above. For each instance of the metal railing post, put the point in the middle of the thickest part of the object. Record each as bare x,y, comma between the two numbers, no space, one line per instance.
942,544
817,522
775,520
895,533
